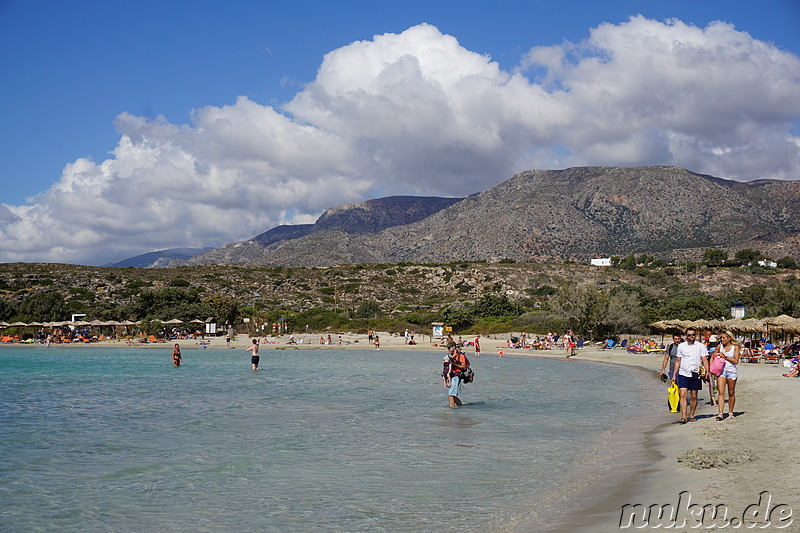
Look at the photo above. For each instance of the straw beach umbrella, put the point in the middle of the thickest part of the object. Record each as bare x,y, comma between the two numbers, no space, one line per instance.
778,321
735,325
777,324
661,325
699,324
752,325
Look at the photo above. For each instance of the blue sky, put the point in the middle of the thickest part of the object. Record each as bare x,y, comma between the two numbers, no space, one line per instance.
70,69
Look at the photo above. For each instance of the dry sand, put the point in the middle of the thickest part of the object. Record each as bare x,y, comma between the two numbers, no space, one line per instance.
730,462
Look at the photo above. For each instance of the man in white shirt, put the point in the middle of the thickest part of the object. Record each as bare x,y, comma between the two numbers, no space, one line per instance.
692,355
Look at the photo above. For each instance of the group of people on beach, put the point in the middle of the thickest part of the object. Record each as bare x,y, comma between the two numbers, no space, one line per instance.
689,363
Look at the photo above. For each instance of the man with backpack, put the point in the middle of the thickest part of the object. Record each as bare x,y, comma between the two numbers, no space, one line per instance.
458,365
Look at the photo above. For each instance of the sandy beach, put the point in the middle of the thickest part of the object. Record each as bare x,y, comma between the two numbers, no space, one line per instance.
747,465
729,463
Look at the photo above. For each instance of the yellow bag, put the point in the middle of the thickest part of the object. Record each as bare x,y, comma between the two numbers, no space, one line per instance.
673,398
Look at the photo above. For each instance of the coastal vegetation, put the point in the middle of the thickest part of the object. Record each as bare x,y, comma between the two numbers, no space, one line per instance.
472,297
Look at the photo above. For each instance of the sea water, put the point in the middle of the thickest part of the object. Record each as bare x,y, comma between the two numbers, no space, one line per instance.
117,439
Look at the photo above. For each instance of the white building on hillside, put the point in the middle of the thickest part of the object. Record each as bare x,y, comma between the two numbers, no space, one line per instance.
601,262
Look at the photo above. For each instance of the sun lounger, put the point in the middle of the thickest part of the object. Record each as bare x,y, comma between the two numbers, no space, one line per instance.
750,356
772,357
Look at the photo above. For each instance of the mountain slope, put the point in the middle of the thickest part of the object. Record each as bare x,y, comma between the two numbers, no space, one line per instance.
571,214
158,259
357,219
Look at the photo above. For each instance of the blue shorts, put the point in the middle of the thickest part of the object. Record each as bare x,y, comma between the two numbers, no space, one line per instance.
254,360
455,386
692,383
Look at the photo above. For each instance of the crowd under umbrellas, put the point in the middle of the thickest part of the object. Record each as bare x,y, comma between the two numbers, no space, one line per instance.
780,328
94,330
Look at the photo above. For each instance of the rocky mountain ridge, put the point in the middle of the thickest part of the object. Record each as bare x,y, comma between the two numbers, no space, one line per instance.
371,216
158,259
546,215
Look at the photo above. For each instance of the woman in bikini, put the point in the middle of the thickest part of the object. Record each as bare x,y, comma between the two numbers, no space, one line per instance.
176,355
729,351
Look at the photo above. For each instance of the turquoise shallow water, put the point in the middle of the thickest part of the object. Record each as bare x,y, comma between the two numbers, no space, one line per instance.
116,439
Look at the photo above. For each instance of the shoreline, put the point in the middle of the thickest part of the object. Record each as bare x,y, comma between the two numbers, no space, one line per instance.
727,463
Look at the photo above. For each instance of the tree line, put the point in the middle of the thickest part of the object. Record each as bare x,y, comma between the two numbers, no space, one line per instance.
591,311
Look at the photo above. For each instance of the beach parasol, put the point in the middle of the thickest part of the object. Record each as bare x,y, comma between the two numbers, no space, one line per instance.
698,324
174,321
680,324
752,325
735,325
792,327
778,323
716,325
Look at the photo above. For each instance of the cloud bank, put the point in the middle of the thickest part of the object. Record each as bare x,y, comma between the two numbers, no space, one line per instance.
416,113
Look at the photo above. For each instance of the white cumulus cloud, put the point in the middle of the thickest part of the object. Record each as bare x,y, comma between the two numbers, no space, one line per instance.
417,113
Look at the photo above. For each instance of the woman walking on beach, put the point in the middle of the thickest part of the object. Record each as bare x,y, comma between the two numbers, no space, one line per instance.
728,351
176,355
